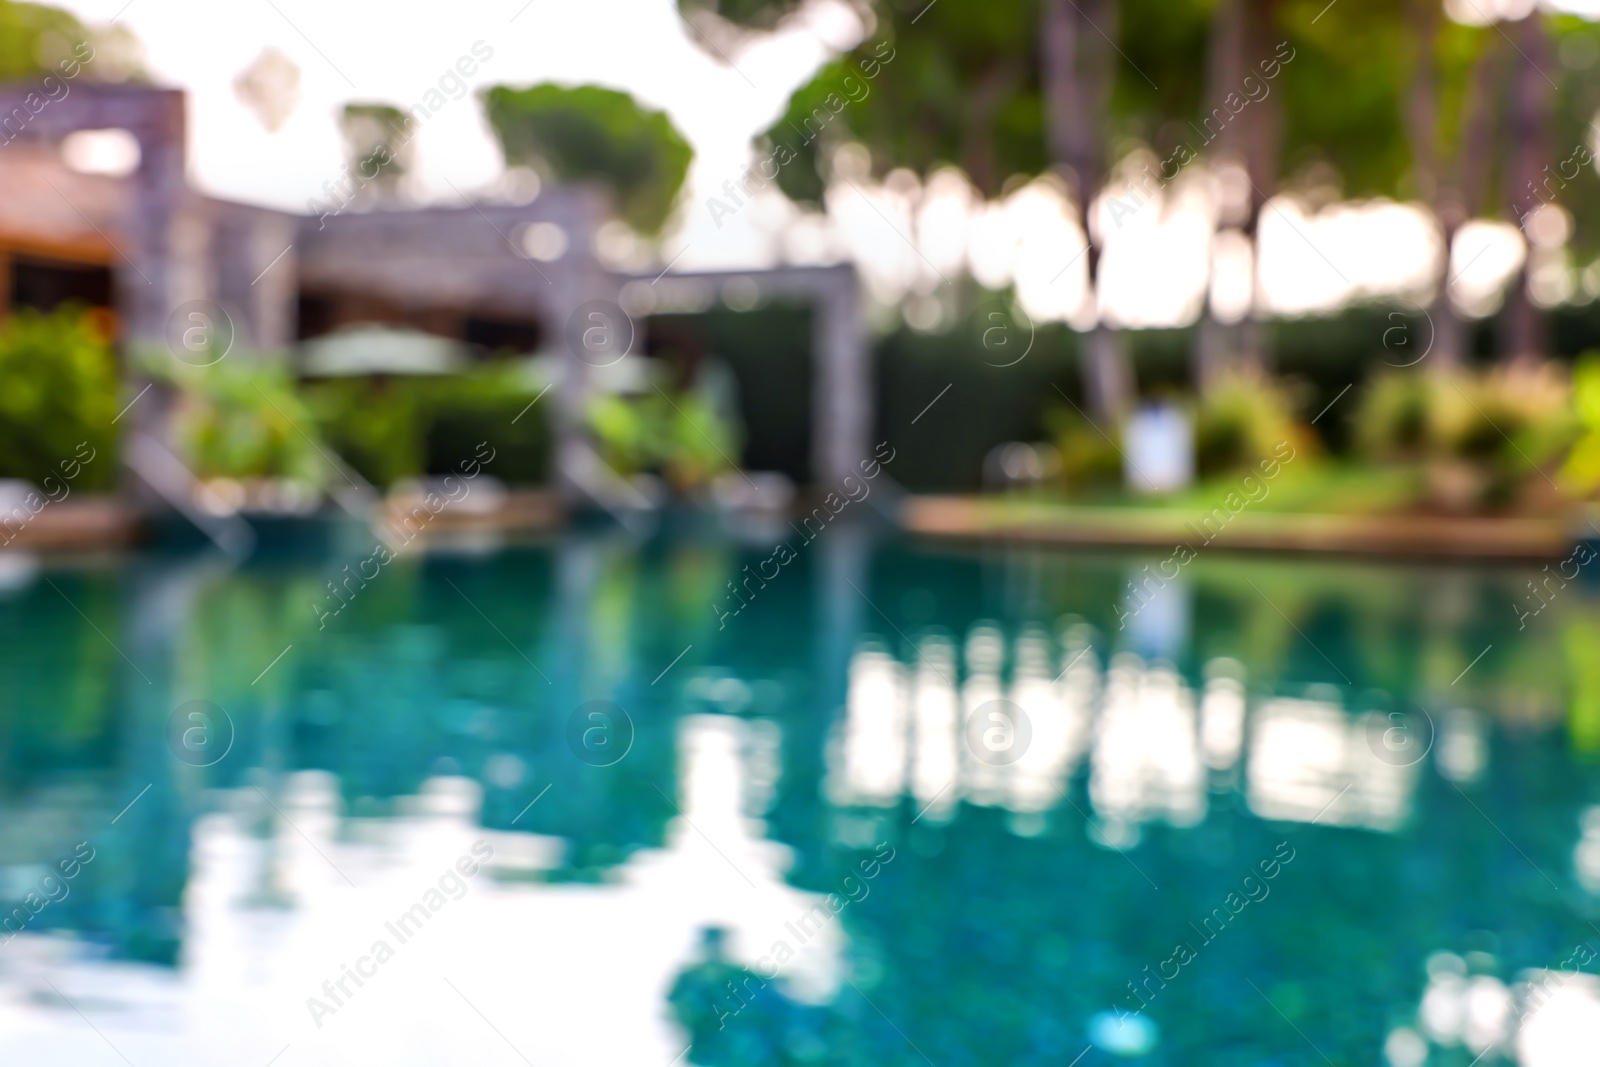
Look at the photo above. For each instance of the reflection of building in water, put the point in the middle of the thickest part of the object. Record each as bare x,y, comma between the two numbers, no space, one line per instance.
516,945
1152,746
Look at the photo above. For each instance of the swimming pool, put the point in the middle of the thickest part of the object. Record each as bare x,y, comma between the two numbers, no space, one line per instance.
911,803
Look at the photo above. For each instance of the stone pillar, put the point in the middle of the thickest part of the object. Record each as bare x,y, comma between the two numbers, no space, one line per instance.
274,311
843,404
156,283
253,273
161,272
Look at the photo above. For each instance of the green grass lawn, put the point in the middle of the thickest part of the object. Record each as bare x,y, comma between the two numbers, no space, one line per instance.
1324,489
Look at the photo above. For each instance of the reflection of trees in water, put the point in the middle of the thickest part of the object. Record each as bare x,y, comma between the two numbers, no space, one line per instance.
983,946
410,682
734,1016
999,944
986,947
392,703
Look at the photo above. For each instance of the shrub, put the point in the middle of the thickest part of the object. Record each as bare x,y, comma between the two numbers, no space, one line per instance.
1582,469
376,425
490,405
241,418
58,388
1483,437
1242,420
681,437
1392,420
391,428
1089,457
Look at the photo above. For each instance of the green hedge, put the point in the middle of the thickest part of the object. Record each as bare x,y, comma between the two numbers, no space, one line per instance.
58,389
395,428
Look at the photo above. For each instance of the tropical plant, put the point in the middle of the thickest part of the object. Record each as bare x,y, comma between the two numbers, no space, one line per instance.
1484,439
58,389
587,133
1582,468
682,437
1391,422
378,142
1089,458
392,428
241,418
1242,420
379,426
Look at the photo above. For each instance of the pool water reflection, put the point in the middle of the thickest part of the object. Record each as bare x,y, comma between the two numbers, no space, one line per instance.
916,804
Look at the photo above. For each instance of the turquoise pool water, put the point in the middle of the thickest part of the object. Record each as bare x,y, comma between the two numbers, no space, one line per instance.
585,802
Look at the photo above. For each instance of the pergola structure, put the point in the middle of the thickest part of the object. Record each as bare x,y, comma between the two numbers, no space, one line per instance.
842,392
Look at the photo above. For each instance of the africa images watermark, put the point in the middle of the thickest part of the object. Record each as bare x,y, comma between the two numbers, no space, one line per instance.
1212,523
51,889
342,191
785,554
1183,953
17,519
54,89
1255,90
411,525
804,927
758,174
1542,984
1581,556
404,927
1538,192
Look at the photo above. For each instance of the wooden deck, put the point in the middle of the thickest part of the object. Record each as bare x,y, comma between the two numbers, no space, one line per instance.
72,525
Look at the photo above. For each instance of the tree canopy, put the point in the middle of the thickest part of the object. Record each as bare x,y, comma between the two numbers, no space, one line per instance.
378,140
587,133
964,88
37,39
34,38
749,14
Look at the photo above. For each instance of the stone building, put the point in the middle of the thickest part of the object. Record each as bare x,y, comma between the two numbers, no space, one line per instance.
153,251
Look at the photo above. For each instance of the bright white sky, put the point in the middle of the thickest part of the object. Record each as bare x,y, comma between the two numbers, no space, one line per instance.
1156,267
396,51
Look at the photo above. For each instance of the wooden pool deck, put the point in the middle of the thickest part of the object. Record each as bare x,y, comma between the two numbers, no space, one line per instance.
106,522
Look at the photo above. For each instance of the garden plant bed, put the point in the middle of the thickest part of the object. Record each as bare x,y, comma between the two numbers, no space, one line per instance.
1416,535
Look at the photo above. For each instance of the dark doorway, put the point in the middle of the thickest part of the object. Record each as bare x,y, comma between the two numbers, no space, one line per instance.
502,336
45,284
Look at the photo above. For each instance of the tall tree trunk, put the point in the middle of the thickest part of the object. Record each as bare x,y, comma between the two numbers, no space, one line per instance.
1523,324
1262,138
1474,163
1460,189
1216,344
1443,197
1078,70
